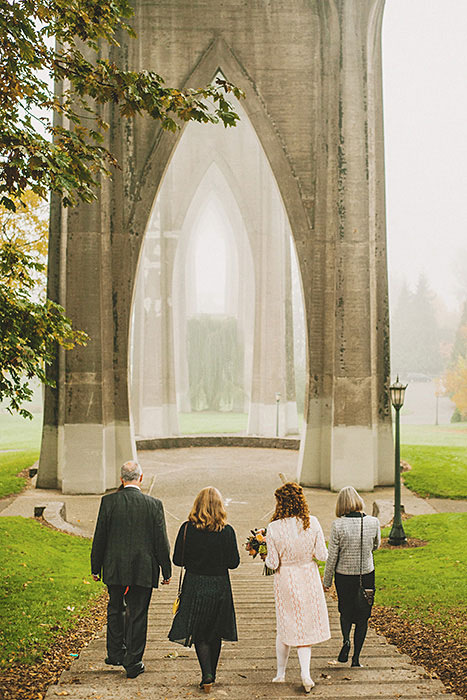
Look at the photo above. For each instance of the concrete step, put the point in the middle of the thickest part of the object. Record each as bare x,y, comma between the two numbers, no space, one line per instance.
140,689
247,667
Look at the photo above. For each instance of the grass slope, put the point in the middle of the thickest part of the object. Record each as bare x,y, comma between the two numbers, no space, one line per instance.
436,471
428,584
45,583
11,463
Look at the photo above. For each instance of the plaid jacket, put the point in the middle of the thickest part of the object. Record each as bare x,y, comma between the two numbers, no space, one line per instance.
344,546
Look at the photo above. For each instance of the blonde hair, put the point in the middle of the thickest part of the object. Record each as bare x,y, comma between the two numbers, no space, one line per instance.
290,502
348,501
208,512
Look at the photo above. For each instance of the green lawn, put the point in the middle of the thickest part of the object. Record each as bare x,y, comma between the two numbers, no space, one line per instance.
45,583
211,422
428,583
11,463
436,470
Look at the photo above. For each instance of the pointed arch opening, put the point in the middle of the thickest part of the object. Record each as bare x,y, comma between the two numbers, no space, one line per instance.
218,216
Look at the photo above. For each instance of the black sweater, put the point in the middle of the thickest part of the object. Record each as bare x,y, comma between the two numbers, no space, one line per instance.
207,553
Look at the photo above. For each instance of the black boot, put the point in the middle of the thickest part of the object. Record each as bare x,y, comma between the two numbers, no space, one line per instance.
344,652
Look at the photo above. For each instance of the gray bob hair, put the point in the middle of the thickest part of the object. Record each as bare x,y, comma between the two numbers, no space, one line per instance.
348,501
130,471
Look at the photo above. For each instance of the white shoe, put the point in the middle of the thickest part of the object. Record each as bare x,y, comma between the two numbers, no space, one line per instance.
308,684
279,679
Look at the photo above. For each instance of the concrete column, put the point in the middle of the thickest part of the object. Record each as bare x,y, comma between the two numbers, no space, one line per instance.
86,432
81,443
153,388
49,474
271,255
291,392
180,316
347,416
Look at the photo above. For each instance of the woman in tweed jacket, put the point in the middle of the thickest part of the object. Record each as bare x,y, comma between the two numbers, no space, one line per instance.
343,563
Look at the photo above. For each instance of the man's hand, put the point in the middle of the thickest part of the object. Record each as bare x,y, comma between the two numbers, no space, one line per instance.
166,581
96,577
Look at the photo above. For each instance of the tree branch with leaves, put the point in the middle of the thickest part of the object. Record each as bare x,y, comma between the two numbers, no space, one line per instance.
43,42
39,45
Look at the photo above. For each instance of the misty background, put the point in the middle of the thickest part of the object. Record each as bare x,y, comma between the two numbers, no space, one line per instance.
425,102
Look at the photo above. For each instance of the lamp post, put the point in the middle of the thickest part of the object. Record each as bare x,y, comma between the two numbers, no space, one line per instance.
397,535
278,400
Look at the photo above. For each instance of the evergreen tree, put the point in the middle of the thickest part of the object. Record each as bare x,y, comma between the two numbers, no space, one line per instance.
400,331
459,349
415,334
215,360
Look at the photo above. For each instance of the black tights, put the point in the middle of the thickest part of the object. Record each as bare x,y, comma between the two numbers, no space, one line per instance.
361,627
208,656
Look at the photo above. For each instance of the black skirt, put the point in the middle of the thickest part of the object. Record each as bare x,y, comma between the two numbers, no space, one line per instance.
347,587
206,611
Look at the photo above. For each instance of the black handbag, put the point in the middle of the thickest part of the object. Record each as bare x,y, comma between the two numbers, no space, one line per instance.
365,596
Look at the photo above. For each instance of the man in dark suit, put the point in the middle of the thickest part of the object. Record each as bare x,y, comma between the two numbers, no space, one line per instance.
129,549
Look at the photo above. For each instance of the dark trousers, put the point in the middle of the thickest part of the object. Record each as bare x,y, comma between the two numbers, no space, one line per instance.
127,623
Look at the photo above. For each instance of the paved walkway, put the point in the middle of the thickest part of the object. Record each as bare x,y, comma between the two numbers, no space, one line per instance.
247,479
246,476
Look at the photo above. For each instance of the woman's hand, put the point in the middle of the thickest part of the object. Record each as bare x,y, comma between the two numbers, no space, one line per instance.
326,588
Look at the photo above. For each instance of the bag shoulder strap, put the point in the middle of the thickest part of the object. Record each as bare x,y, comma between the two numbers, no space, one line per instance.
361,549
183,560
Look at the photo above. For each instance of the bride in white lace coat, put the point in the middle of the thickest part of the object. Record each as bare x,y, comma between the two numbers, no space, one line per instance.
295,541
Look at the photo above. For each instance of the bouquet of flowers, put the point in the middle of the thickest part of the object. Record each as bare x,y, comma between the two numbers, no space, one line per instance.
256,544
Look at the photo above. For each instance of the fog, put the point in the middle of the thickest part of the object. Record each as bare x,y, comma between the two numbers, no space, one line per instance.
425,105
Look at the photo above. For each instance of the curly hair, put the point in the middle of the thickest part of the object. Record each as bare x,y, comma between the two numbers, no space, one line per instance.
291,502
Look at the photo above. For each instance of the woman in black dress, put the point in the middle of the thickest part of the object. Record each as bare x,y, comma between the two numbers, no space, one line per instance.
207,547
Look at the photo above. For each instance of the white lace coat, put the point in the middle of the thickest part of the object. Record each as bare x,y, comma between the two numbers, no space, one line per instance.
301,611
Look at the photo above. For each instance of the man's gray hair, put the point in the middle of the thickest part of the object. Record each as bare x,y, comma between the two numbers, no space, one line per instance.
131,471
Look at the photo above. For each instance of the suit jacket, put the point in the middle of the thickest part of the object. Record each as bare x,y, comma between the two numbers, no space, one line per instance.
130,544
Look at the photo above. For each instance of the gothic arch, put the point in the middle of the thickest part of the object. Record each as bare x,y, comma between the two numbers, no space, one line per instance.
312,75
219,58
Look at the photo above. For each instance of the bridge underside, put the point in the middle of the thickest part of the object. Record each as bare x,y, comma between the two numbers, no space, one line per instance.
311,72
